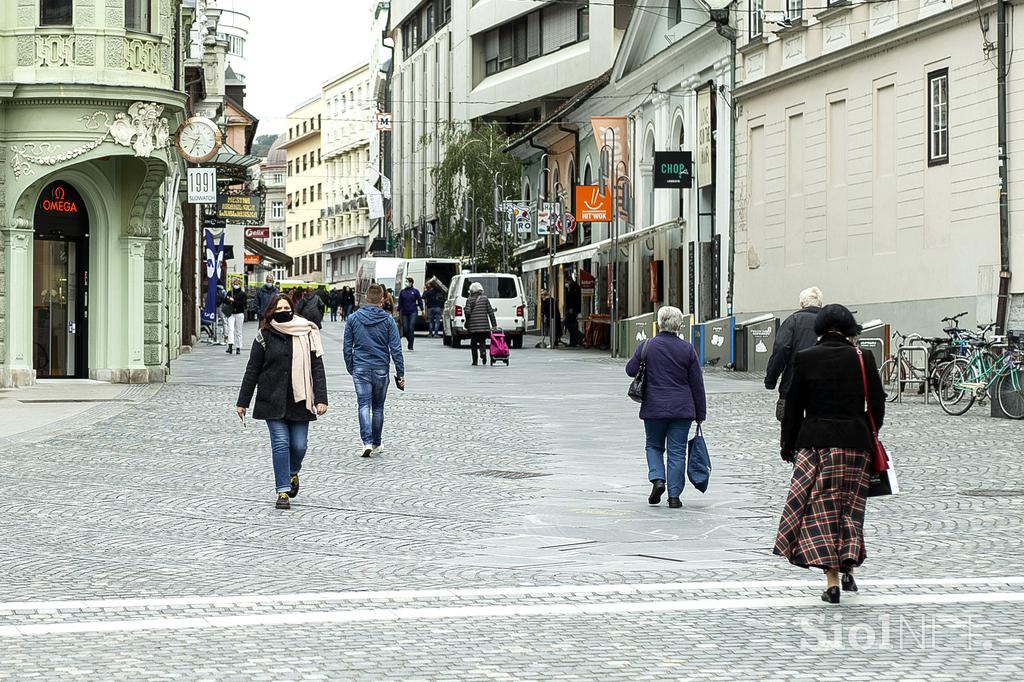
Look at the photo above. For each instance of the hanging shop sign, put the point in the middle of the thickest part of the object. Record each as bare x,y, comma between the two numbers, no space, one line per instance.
385,121
212,262
673,170
257,232
252,259
591,205
617,124
705,136
202,185
240,208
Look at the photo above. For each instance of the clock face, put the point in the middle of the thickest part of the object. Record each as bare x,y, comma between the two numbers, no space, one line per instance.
198,139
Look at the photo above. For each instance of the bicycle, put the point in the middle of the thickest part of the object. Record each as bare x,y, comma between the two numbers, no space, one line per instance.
966,381
942,351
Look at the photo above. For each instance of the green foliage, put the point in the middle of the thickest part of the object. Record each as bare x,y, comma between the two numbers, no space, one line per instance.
474,164
262,144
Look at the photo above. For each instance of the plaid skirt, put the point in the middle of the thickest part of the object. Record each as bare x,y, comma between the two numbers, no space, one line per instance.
822,525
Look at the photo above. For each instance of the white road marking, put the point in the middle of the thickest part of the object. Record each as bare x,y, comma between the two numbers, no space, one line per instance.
473,592
510,611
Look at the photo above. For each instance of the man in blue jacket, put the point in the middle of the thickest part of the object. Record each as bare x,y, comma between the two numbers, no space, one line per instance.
371,343
410,303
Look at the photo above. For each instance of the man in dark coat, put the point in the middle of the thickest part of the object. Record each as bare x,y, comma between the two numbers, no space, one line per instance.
264,295
795,335
311,307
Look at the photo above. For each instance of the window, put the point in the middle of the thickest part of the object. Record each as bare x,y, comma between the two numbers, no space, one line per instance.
938,117
277,209
319,192
278,178
583,22
794,10
494,287
236,46
289,169
55,13
303,196
446,12
318,160
303,230
756,18
303,162
428,18
675,12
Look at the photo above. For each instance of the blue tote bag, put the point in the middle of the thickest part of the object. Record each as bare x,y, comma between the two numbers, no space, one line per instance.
698,462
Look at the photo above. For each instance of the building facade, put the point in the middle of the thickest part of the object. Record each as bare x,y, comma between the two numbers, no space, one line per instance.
348,127
304,191
90,96
867,161
274,172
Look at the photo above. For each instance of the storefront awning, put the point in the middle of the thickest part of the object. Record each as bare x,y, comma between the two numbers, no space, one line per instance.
576,255
231,165
649,231
266,252
528,247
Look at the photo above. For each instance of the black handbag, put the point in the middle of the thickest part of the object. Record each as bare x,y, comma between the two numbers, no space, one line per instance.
639,384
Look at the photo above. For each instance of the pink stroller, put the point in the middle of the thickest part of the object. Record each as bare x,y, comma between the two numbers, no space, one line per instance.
499,347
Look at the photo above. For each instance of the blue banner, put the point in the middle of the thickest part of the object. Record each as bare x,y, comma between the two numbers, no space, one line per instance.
214,259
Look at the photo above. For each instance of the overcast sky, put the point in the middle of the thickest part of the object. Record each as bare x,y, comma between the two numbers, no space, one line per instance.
294,47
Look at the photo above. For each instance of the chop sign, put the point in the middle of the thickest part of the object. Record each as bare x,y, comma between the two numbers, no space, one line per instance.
59,202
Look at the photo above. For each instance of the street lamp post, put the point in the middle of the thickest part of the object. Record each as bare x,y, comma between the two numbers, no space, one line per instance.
542,195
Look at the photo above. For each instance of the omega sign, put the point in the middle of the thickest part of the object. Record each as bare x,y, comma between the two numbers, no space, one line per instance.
61,200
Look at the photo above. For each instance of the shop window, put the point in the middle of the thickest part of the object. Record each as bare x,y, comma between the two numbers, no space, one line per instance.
55,13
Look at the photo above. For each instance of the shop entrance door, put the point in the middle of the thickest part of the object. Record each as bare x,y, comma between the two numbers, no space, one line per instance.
60,280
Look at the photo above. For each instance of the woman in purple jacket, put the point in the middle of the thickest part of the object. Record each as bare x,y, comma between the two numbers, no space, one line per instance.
674,399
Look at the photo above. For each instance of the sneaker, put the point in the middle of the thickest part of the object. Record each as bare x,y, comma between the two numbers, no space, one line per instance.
295,486
367,449
378,449
283,501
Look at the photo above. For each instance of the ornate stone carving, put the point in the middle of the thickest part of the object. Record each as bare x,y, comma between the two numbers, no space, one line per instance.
26,50
143,128
55,50
115,13
85,51
85,12
142,55
26,13
114,55
137,223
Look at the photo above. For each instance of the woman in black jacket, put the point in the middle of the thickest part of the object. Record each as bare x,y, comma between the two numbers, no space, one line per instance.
480,321
286,370
827,437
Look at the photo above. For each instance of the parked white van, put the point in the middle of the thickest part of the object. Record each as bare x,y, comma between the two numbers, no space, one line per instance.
375,270
504,290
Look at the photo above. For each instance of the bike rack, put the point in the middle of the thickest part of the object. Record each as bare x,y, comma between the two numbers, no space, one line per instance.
906,354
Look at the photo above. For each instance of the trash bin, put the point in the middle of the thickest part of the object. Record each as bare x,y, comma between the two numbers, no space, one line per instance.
714,341
754,342
874,339
633,331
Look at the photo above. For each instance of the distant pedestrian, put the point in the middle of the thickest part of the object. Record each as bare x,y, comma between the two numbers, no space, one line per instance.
286,371
388,304
573,304
371,344
311,307
264,295
433,299
480,321
297,294
549,315
827,437
333,303
673,399
410,305
795,335
348,302
235,298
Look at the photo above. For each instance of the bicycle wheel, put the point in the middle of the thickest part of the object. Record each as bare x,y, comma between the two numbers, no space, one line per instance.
953,397
1010,393
891,376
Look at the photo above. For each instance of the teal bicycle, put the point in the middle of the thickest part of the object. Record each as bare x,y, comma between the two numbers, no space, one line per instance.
965,381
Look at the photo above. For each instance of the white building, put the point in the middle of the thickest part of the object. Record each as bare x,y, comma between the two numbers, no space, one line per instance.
867,161
234,28
348,126
511,61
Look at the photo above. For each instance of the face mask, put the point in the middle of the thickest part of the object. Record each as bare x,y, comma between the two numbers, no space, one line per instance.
283,316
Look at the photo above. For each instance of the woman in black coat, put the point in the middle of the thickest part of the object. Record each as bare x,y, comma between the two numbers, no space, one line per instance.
480,321
827,437
286,371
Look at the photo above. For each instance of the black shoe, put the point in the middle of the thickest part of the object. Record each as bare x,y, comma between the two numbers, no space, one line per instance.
849,584
228,351
238,351
831,595
474,364
657,491
674,503
283,501
295,486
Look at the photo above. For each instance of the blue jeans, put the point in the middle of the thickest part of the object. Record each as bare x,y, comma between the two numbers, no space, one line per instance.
371,392
409,328
288,444
674,432
435,321
347,310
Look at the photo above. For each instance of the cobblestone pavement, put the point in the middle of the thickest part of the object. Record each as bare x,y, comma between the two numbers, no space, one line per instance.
504,533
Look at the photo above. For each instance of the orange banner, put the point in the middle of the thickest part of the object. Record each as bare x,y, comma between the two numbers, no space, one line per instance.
591,207
621,147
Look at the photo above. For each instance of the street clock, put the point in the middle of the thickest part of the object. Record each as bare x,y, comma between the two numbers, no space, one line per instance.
199,139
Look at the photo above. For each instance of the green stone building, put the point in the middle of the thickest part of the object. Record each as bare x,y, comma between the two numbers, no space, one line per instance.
90,227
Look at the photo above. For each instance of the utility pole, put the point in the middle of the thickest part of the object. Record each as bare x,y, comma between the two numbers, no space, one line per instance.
1003,304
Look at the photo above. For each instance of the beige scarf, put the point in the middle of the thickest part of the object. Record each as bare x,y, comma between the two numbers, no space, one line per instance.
305,340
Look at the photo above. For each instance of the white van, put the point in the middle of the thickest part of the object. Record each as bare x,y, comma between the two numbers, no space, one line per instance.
375,270
422,270
504,290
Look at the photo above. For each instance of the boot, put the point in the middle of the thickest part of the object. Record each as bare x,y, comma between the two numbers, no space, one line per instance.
228,351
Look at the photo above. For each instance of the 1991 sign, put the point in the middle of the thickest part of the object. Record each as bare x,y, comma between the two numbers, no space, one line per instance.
202,185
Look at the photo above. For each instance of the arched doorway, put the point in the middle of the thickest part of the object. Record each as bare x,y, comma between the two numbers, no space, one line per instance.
59,283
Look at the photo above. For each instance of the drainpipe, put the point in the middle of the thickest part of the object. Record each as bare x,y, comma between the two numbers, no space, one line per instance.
732,176
1004,213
